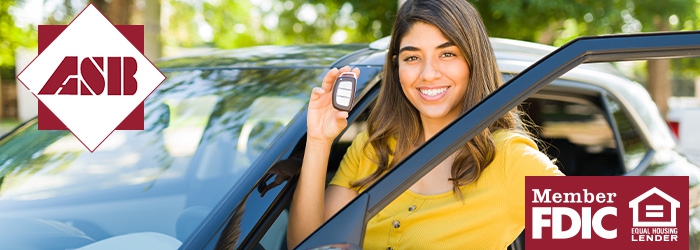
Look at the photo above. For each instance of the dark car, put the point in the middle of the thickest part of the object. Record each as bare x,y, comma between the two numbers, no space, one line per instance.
217,162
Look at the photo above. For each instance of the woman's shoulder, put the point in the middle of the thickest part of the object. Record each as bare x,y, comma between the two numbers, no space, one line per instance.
361,146
362,137
362,141
518,151
505,137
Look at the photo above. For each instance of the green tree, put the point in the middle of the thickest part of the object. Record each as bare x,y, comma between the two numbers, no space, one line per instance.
234,23
12,37
557,22
229,23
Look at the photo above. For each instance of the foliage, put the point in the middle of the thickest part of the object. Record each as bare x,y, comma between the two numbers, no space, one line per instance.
236,23
570,19
558,22
244,23
12,37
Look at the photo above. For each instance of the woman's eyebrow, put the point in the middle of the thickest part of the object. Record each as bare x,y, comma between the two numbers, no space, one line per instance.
445,45
412,48
408,48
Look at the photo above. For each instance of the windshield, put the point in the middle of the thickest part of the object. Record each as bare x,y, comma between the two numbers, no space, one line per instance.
203,129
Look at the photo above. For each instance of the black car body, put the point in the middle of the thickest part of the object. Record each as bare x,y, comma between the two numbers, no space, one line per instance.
216,165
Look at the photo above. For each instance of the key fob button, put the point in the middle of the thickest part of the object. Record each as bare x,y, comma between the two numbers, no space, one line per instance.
345,85
344,93
343,101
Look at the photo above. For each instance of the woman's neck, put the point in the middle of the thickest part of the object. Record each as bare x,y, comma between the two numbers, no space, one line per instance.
433,126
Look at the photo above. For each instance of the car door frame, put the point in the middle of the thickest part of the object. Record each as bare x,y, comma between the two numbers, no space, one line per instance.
348,225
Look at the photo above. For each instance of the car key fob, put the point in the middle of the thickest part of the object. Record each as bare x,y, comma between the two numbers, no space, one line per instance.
344,91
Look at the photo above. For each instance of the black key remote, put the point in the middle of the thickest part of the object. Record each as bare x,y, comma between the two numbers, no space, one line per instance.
344,91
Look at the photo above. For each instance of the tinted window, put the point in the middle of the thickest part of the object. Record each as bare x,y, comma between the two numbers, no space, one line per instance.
634,147
576,133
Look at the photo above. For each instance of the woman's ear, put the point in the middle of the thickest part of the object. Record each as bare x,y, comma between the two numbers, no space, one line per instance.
394,61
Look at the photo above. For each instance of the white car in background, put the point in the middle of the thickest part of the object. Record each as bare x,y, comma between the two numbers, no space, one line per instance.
684,120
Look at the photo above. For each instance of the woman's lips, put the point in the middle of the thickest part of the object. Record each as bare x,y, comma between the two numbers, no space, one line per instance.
432,94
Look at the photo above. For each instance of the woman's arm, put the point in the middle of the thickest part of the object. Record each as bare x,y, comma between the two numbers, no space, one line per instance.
310,206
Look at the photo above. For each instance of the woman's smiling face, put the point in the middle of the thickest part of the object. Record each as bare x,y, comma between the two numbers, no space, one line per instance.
433,73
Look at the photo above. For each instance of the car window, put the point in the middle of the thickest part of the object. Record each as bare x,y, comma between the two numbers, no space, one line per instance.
576,133
260,218
63,168
275,237
634,147
203,130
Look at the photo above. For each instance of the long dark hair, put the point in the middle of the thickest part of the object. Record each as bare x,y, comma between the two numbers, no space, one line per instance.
393,116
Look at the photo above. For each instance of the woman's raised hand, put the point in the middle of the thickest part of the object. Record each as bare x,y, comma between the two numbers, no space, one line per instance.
324,122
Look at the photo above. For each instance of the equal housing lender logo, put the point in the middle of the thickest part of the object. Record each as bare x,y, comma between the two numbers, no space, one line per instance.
607,212
91,77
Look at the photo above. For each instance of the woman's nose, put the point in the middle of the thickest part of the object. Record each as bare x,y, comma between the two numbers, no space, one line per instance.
431,71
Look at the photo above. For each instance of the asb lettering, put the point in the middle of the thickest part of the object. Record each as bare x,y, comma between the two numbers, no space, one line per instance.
92,75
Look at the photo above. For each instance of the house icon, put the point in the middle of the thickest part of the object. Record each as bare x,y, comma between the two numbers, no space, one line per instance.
655,210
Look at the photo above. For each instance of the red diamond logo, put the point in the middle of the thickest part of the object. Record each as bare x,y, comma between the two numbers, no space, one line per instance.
90,78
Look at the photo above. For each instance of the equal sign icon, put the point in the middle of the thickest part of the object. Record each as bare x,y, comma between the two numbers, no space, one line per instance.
655,211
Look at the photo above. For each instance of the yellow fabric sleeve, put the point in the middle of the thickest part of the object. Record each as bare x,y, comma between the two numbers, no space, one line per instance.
521,158
352,161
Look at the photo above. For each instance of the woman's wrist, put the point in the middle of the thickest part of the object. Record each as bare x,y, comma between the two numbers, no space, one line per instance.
315,143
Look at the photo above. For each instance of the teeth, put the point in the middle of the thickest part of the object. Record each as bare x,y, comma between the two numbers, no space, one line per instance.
433,92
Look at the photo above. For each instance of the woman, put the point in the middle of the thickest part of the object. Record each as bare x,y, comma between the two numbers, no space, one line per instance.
439,64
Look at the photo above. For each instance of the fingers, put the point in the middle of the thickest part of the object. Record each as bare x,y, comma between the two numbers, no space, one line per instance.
333,74
348,69
316,93
329,79
341,115
356,71
341,120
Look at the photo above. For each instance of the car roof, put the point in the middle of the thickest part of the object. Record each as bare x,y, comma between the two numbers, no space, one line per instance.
508,49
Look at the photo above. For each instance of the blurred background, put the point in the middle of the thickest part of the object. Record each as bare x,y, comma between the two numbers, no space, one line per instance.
179,27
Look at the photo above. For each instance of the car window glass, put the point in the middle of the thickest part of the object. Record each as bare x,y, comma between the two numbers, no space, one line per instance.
203,130
186,125
124,158
576,133
634,148
275,237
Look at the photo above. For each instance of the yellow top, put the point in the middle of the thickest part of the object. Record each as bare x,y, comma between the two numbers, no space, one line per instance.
490,216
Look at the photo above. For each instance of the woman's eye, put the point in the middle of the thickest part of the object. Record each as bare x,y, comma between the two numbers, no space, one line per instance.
410,58
448,54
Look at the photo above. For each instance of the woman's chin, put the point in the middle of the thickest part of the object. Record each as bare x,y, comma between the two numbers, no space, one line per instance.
434,114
